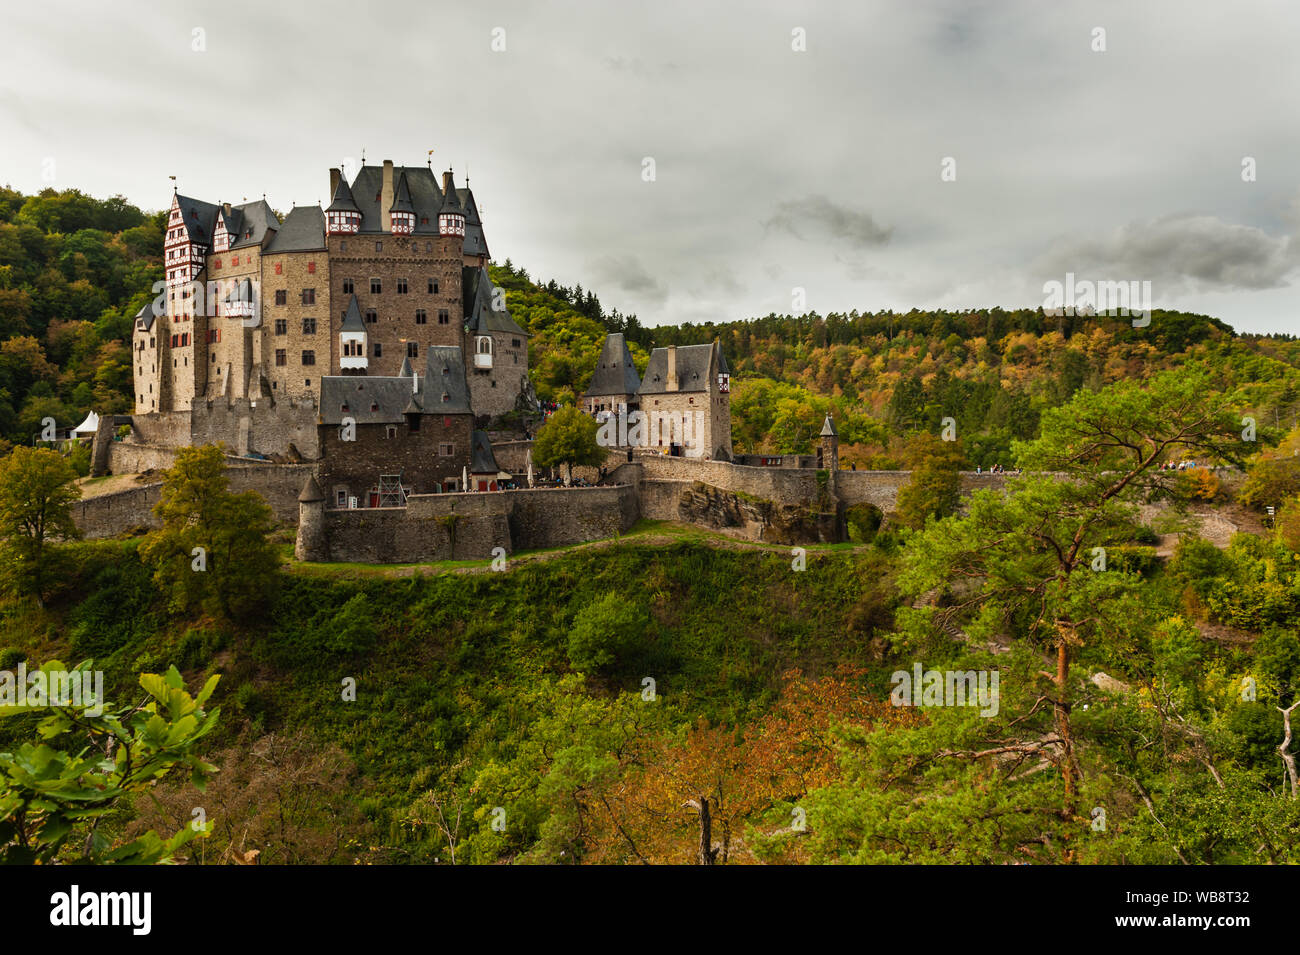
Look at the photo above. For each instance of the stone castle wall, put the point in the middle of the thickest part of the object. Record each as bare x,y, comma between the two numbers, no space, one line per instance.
514,520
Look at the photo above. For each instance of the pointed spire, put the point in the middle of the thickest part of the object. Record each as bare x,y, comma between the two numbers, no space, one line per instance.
406,371
450,201
311,491
342,200
402,197
828,427
352,318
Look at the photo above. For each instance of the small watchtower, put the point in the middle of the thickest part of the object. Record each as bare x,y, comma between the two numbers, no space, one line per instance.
313,542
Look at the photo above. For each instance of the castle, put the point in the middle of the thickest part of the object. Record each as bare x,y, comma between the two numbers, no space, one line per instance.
682,405
374,318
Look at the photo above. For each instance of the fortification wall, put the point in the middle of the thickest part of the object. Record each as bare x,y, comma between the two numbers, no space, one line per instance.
129,457
553,517
414,533
120,512
514,520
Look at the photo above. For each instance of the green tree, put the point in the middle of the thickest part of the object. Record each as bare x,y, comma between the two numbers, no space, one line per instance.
90,760
36,497
568,437
935,487
1028,565
211,551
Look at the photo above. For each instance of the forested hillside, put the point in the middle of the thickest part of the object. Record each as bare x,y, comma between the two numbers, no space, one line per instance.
74,270
887,376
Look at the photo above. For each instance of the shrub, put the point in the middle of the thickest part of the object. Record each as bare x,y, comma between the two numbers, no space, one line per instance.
605,630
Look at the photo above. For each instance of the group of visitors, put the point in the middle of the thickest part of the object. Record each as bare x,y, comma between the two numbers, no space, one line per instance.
1180,466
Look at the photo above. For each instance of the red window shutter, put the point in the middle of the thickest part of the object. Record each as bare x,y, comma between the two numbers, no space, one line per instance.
311,268
446,422
279,268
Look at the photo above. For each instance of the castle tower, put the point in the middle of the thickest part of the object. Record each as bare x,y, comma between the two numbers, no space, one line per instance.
828,452
313,542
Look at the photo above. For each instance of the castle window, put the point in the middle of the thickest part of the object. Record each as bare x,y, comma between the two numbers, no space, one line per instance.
309,296
311,268
514,343
309,326
379,350
412,349
341,497
421,317
433,286
446,450
376,286
390,431
374,406
347,286
343,246
444,317
309,357
282,326
401,286
306,382
343,407
281,359
379,246
372,316
446,397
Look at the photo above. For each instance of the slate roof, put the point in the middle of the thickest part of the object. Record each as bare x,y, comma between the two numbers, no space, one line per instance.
342,200
352,318
615,373
311,491
146,315
402,196
692,369
444,374
199,217
828,428
250,222
303,230
426,200
481,460
479,315
384,400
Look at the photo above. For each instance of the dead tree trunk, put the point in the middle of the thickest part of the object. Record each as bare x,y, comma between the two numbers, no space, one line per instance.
1288,758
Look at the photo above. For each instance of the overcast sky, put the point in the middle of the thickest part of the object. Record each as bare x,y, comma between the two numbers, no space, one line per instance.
774,169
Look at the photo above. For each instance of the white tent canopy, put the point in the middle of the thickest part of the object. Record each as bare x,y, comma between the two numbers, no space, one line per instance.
89,426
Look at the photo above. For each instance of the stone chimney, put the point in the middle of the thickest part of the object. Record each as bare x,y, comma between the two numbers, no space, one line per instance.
386,198
226,207
335,176
671,384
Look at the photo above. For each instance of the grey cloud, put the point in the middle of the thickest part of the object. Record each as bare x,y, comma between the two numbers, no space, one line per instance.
1182,251
816,217
625,272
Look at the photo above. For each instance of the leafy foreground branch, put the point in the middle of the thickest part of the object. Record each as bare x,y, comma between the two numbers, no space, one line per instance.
91,757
